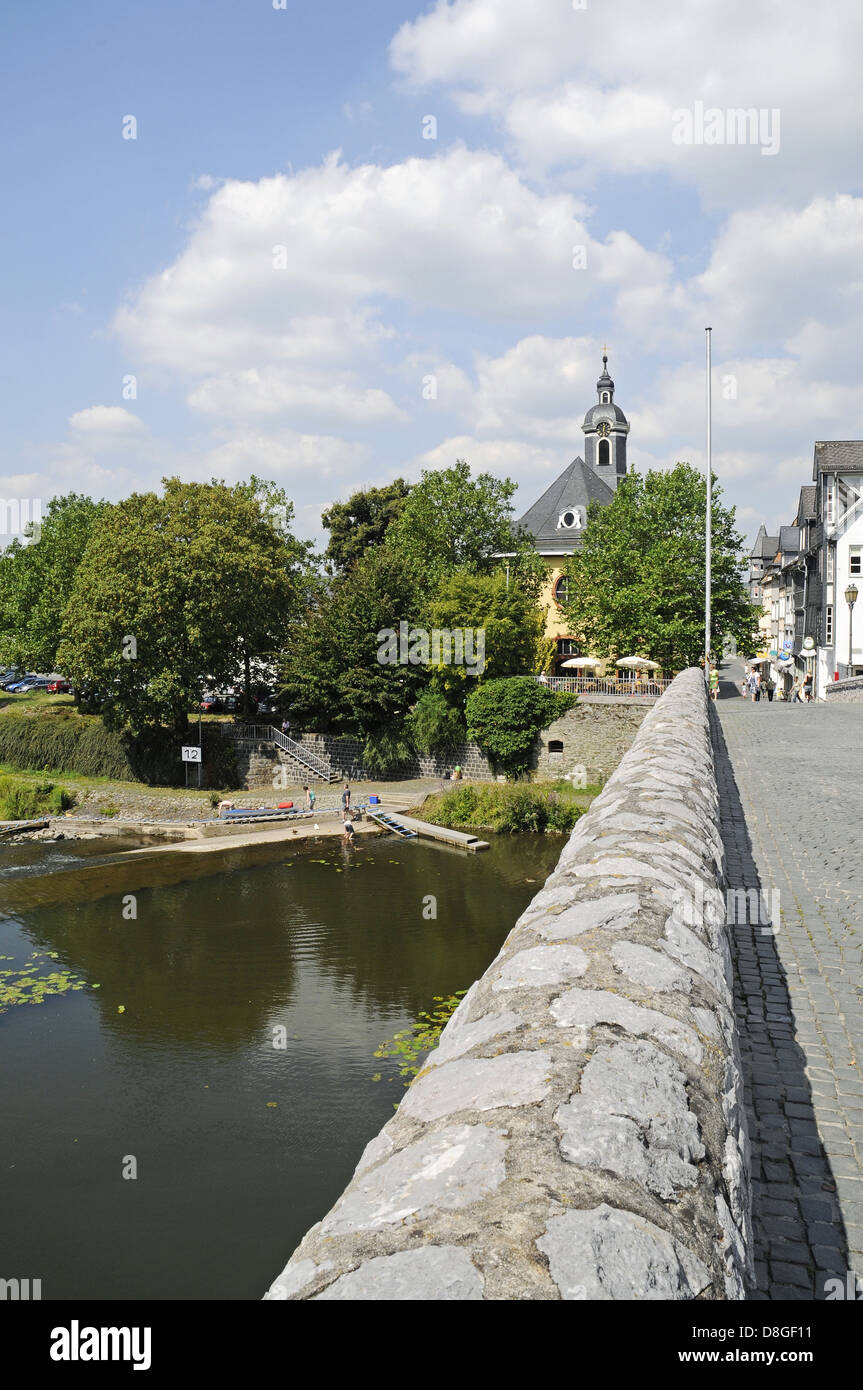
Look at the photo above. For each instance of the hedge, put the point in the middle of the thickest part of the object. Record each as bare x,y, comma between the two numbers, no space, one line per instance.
71,742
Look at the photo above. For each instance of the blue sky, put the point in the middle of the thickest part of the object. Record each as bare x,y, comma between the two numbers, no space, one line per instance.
407,258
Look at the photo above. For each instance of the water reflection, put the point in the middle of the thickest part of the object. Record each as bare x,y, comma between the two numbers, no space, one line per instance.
241,1145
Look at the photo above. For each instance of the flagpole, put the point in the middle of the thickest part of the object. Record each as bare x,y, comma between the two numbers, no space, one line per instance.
709,519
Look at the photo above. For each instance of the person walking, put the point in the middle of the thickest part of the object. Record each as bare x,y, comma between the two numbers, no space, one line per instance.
770,688
796,695
713,680
310,798
807,687
346,798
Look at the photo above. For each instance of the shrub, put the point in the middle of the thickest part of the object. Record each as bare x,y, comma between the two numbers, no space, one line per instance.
385,751
71,742
505,716
513,809
434,725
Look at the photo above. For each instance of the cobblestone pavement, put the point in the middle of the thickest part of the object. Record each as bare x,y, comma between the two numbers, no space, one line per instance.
792,805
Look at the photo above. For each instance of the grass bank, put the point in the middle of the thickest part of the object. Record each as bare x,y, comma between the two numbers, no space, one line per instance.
24,799
513,807
47,732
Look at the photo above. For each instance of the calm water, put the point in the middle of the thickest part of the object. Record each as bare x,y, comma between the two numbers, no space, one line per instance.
330,945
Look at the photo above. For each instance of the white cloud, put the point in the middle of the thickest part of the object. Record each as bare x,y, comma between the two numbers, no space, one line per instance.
596,87
107,421
276,391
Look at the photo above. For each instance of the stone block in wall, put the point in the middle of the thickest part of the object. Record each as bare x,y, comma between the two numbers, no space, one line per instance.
579,1131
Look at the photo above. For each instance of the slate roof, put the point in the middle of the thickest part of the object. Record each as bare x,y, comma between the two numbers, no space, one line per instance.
607,410
841,455
577,486
765,546
807,507
789,539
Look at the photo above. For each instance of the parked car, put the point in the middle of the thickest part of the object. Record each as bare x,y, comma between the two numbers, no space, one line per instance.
59,687
22,683
31,683
14,679
211,704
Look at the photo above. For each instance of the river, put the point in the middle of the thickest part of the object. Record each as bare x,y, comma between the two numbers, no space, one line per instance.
168,1070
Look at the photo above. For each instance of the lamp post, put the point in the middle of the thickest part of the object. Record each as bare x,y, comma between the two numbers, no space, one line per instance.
850,599
708,529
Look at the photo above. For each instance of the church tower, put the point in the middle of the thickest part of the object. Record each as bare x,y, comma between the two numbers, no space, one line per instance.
605,429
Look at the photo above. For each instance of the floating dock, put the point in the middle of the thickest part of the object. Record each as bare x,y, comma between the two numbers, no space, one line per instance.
408,827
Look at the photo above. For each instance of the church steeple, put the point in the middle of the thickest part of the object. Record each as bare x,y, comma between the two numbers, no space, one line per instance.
605,430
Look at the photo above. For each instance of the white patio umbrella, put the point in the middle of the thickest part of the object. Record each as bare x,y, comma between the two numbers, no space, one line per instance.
582,661
642,663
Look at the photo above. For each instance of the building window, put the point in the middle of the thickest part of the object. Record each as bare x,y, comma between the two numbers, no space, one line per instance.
831,555
567,646
828,626
604,453
854,556
555,750
605,398
561,589
829,502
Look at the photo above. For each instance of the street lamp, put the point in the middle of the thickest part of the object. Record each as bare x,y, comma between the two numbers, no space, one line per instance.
850,599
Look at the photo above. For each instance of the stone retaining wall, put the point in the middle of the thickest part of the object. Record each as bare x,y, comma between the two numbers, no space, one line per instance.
847,691
579,1131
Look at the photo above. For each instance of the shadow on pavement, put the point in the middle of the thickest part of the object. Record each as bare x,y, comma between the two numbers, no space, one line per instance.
799,1235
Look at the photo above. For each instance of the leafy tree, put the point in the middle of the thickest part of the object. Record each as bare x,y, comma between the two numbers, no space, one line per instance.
361,522
508,618
451,521
331,672
637,582
505,716
200,583
434,725
36,580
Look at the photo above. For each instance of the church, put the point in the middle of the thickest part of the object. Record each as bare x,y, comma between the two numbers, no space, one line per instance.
557,521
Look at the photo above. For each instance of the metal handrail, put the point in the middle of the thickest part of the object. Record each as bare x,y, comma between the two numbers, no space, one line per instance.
601,685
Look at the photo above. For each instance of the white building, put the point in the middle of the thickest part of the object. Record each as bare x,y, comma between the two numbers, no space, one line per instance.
836,561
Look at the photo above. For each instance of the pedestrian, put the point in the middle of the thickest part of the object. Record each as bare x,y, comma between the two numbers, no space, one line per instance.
456,773
714,683
286,726
348,827
807,687
346,798
796,695
543,678
770,687
744,686
310,798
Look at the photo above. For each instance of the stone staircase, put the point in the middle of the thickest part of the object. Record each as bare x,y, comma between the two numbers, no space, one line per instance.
265,750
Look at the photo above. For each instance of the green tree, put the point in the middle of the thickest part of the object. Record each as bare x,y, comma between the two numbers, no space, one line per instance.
508,618
36,579
637,582
505,716
434,725
332,673
199,583
451,521
361,522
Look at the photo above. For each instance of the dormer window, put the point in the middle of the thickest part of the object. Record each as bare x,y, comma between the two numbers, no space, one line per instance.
605,398
571,520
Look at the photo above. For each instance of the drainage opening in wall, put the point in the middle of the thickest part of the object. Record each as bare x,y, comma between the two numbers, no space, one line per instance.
555,750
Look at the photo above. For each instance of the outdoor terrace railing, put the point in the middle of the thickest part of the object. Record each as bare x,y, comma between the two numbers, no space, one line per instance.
598,685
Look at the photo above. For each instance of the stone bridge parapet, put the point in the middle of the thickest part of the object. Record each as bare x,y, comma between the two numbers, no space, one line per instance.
579,1131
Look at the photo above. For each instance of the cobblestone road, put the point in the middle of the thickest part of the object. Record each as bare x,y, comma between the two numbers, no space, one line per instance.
792,804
